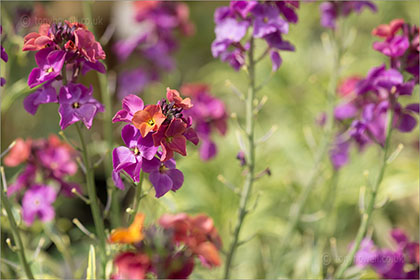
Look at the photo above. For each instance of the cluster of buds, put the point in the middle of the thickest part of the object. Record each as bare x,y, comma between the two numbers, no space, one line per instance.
152,127
64,51
167,251
48,163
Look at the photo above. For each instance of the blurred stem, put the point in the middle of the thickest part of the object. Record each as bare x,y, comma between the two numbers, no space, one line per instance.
137,197
15,231
348,260
247,189
297,209
94,205
107,127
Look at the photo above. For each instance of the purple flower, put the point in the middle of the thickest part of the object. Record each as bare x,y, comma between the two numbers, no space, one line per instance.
4,57
331,10
43,95
50,62
37,203
132,82
23,180
131,157
393,47
267,20
339,154
163,175
77,104
367,253
131,104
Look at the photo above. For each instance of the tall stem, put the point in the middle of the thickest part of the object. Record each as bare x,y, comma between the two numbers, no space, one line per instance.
246,191
137,197
348,260
15,231
94,205
107,128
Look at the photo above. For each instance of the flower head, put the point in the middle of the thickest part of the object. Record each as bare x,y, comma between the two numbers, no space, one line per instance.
149,119
19,153
37,203
130,235
43,95
77,104
131,265
50,62
38,40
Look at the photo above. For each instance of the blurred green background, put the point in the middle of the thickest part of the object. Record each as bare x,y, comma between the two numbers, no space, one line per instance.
296,96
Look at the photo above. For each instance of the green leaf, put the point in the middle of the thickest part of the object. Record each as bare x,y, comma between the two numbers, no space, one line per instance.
91,269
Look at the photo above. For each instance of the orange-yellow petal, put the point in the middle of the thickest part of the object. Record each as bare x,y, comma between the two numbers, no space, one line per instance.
132,234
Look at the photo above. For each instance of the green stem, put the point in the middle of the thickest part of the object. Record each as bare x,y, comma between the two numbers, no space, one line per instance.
361,233
137,196
94,205
247,189
107,128
15,231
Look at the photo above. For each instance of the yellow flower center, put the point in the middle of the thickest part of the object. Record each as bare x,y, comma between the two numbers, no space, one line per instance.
75,105
136,151
169,139
49,70
151,122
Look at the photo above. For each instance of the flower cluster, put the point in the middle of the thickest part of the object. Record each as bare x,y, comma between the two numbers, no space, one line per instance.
269,20
3,56
152,127
154,45
400,263
48,164
208,113
401,45
331,10
63,52
363,113
168,251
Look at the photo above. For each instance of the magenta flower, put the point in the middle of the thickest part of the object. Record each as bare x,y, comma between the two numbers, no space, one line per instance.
339,154
50,62
163,175
131,104
331,10
77,104
37,202
4,57
131,157
87,45
46,94
23,180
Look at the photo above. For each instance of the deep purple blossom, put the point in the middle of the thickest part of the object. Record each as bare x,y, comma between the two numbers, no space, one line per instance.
399,263
50,62
131,157
43,95
339,154
37,203
77,104
163,175
331,10
268,20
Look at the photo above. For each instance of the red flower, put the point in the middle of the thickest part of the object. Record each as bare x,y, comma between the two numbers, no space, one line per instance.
151,118
35,41
388,30
131,265
87,45
198,233
19,153
173,96
171,138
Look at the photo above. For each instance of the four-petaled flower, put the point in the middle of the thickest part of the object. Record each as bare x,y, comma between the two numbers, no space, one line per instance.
50,62
37,203
171,138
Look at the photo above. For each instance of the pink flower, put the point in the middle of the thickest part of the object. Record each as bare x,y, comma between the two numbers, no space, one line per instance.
88,46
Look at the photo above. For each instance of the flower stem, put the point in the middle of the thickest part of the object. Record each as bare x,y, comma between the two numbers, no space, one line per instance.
137,196
247,189
348,260
94,205
107,127
15,231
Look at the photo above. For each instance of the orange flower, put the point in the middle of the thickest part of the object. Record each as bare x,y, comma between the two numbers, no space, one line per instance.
132,234
148,119
19,153
173,96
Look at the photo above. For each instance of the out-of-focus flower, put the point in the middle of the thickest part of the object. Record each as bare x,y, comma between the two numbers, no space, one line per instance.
154,46
3,56
208,114
77,104
19,153
37,203
331,10
401,47
269,21
131,265
339,153
198,233
130,235
399,263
